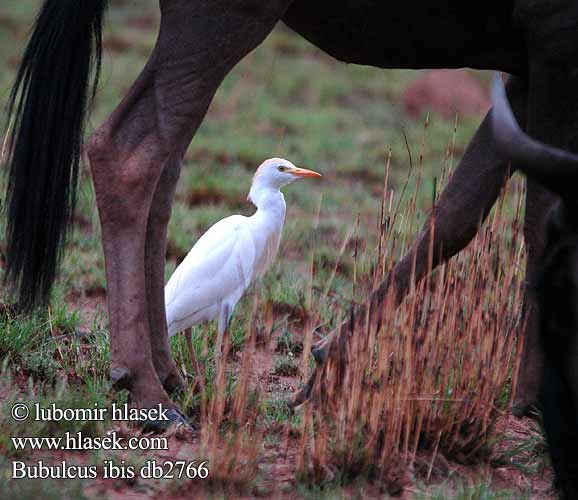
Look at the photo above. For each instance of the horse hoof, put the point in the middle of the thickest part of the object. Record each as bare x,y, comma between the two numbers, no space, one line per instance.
120,378
521,410
303,394
175,418
173,383
319,353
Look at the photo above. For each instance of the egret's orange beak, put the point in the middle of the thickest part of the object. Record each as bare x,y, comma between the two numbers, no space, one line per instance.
303,172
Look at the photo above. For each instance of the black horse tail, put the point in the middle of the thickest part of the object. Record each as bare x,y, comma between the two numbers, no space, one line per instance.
46,115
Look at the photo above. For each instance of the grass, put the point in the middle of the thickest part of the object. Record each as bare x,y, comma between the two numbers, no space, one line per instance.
45,489
430,378
428,387
461,491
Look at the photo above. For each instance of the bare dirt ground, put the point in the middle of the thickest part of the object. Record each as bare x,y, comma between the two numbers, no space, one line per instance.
446,92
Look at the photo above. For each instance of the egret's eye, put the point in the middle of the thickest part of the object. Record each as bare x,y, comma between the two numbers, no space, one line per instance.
282,168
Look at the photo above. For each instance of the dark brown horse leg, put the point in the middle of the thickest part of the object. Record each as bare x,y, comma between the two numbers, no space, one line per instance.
550,84
462,206
139,149
127,158
454,230
552,118
155,251
538,202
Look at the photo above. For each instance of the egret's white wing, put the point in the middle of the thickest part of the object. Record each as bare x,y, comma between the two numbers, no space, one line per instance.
268,248
219,267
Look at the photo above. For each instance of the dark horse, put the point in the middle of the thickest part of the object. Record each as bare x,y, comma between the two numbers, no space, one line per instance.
135,156
556,287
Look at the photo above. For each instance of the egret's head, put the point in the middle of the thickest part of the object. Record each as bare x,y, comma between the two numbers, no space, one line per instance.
277,172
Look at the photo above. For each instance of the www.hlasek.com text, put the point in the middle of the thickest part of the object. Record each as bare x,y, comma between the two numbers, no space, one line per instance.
77,441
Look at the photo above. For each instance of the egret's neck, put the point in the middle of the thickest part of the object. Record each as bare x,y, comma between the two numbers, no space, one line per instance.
268,200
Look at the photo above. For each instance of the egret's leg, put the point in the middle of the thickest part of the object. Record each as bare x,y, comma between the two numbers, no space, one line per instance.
198,367
222,330
193,356
135,151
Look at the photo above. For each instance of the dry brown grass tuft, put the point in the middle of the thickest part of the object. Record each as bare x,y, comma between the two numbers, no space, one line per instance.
432,378
231,430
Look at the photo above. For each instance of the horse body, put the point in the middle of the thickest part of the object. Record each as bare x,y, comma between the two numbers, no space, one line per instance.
135,156
414,34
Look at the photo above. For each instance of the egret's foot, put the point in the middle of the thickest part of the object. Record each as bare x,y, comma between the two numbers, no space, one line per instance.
121,378
175,418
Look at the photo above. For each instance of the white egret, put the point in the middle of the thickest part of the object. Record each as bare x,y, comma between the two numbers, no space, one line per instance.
231,255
